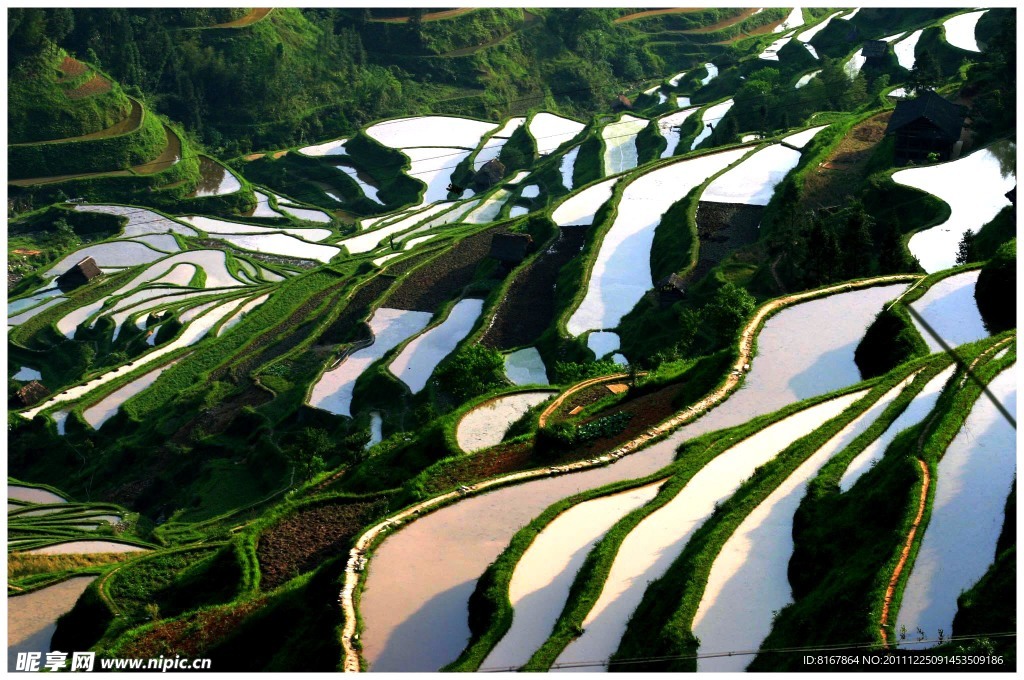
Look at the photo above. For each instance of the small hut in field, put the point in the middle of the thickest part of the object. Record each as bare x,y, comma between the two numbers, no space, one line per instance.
925,125
32,393
79,275
875,52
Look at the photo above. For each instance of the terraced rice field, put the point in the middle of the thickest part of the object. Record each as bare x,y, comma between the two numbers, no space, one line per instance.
403,633
960,30
711,116
975,189
542,578
651,547
526,367
668,126
417,360
621,273
486,425
620,153
390,327
906,49
32,618
950,310
551,131
972,482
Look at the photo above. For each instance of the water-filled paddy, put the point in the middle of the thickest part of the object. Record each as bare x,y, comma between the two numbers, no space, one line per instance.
419,358
916,411
487,424
85,548
32,618
540,583
960,31
754,179
526,367
418,621
335,147
951,311
567,166
430,131
905,49
973,480
622,270
649,550
552,131
390,327
806,78
30,494
668,126
580,208
975,189
215,179
620,152
714,116
749,578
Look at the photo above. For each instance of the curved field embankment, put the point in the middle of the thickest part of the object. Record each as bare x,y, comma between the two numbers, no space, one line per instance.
546,413
168,157
249,19
127,124
655,12
429,16
724,23
745,351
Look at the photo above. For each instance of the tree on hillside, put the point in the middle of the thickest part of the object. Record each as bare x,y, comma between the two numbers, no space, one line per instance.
926,74
965,249
856,243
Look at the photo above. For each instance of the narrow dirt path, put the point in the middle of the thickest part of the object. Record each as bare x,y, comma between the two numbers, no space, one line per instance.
655,12
429,16
725,23
358,558
546,413
905,553
249,19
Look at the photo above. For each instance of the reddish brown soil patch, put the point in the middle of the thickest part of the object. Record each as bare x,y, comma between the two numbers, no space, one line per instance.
254,156
442,278
191,635
760,30
430,16
497,460
26,251
94,86
303,541
529,307
724,23
278,154
252,17
840,174
656,12
216,420
72,68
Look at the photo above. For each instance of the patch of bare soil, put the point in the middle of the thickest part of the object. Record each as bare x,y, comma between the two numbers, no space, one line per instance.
427,288
723,228
304,540
840,174
529,306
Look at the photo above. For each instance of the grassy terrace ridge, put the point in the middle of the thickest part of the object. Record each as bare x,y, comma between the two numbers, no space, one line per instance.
110,149
368,540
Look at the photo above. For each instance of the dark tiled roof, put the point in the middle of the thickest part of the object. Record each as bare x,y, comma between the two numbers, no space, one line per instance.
942,113
32,393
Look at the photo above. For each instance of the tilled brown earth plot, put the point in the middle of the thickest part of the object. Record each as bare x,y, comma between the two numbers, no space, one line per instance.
529,307
723,228
303,541
444,277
